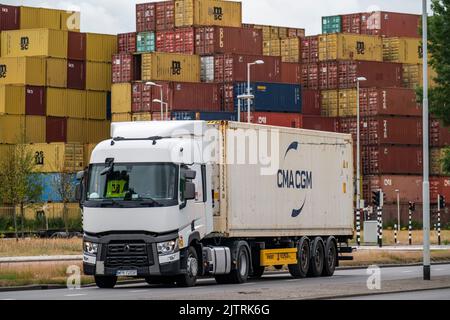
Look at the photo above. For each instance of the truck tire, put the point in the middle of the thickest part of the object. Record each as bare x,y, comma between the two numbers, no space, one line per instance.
190,278
300,270
317,258
241,273
257,272
330,257
105,282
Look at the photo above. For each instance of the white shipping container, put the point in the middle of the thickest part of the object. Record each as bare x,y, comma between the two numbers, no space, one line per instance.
207,69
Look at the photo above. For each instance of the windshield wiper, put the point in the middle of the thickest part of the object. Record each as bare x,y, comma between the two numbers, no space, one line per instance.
107,203
150,201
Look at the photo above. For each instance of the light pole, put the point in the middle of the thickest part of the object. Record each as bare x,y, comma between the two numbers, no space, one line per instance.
152,84
426,159
163,104
358,161
240,98
249,65
398,211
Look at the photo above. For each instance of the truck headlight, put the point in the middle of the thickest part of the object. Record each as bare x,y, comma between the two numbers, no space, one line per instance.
167,247
90,247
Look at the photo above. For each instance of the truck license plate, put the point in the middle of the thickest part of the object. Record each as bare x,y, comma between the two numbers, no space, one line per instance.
126,273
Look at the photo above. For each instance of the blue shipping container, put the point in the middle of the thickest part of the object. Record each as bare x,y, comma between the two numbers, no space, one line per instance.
49,183
205,116
271,97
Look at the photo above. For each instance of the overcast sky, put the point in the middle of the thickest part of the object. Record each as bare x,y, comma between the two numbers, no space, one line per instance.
117,16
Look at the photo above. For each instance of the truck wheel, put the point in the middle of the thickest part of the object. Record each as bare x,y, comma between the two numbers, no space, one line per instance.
105,282
257,272
300,270
190,278
330,258
240,274
317,258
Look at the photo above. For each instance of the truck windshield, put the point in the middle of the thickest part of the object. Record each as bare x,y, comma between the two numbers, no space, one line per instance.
152,184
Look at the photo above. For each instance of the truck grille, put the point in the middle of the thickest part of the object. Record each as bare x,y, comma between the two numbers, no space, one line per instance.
129,254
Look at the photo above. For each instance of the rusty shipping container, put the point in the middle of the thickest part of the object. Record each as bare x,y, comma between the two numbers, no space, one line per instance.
291,72
143,95
126,42
311,102
392,160
9,17
385,130
389,101
35,101
320,123
145,17
343,74
123,68
309,49
194,97
76,74
180,40
165,15
310,76
211,40
289,120
439,135
391,24
76,46
233,68
410,187
351,23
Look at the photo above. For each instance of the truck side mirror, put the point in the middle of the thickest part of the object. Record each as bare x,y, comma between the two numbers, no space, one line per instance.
78,192
189,193
190,174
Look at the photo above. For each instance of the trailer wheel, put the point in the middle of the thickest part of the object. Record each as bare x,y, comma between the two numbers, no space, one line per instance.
190,278
300,270
330,258
317,258
105,282
241,272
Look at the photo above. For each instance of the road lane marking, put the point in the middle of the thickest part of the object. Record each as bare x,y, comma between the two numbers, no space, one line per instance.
293,280
76,295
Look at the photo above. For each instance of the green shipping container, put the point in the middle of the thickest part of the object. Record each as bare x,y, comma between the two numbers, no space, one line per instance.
145,42
331,24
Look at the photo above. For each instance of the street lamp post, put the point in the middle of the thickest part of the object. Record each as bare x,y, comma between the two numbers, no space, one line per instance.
398,211
161,96
249,65
358,162
426,159
163,104
240,98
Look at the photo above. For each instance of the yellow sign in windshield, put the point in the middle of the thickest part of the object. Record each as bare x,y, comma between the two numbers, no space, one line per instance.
116,189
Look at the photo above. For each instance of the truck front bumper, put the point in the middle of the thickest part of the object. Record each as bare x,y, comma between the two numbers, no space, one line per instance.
131,255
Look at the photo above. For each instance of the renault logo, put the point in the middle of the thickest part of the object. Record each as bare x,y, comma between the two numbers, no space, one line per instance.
126,248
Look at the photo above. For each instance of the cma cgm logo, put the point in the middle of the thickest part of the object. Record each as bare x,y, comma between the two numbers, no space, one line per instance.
24,43
294,179
176,67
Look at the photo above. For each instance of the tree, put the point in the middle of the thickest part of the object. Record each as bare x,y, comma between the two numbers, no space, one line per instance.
439,39
18,185
64,186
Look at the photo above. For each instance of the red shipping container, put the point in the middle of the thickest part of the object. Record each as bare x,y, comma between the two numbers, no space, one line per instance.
320,123
291,73
35,103
123,68
211,40
311,102
56,129
392,160
195,97
143,96
76,74
439,186
145,17
9,17
389,101
410,187
385,130
342,74
227,97
296,33
233,68
310,76
176,41
351,23
309,49
76,46
165,15
289,120
439,135
391,24
127,42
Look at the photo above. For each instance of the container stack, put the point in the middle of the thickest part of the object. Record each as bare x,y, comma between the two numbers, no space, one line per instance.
195,53
55,88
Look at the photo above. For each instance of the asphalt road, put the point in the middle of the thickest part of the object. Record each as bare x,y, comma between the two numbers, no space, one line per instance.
272,286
